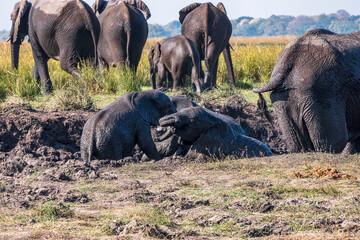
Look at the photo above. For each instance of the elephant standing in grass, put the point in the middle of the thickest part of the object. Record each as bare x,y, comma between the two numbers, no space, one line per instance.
210,136
210,29
113,132
315,89
124,31
176,56
66,30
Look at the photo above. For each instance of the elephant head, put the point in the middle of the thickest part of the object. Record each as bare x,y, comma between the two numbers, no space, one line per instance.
141,6
100,5
154,58
186,10
190,123
152,105
19,29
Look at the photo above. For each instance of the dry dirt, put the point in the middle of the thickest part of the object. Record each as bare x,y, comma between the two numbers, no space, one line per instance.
47,193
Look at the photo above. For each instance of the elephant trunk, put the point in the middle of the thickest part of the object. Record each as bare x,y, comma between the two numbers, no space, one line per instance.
229,65
152,77
15,48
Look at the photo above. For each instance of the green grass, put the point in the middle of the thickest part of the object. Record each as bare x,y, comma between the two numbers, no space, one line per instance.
253,60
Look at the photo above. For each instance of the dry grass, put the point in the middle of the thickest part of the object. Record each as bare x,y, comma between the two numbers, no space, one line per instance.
241,198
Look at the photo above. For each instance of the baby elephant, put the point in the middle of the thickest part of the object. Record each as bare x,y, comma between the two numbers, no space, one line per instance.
113,132
211,136
174,58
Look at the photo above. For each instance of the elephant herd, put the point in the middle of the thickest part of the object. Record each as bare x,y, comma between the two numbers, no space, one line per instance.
114,33
315,84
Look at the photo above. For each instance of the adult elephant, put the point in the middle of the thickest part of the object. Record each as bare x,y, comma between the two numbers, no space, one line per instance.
210,29
66,30
315,89
124,31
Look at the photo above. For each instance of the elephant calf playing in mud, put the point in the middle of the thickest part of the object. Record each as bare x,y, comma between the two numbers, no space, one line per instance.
173,58
209,135
113,132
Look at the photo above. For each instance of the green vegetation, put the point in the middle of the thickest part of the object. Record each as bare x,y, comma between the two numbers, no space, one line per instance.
253,60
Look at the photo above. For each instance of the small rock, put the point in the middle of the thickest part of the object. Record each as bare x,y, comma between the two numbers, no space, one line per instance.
130,227
216,219
266,207
63,176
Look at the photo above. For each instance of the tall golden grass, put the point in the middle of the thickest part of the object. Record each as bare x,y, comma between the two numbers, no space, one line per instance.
253,60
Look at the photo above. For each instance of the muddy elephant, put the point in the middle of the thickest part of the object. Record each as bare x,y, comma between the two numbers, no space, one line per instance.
210,29
176,56
315,89
210,136
67,31
168,144
124,31
113,132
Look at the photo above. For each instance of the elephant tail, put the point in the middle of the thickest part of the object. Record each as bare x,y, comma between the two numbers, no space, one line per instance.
93,25
262,107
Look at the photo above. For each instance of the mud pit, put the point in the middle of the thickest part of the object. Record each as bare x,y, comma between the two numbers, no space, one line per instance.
46,192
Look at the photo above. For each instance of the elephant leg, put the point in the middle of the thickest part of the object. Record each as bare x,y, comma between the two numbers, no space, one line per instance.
41,68
170,80
211,63
326,124
146,144
69,64
229,65
36,75
195,78
161,76
297,139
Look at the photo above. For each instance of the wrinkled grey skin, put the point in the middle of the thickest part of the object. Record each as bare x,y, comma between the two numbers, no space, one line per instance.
209,135
167,143
210,29
177,56
67,31
315,89
113,132
124,31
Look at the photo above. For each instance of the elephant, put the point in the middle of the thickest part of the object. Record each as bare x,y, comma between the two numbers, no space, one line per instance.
113,132
315,89
124,31
177,56
168,144
210,136
210,29
66,30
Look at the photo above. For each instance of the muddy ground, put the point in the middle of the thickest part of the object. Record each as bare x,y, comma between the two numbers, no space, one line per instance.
47,193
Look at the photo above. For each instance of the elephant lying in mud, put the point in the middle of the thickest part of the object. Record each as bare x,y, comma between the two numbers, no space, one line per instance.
66,30
315,89
168,144
173,58
113,132
208,135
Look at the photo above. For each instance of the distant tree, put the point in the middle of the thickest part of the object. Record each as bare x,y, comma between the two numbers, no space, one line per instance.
300,25
275,25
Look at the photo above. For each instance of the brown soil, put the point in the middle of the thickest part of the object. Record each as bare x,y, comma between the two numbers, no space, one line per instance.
329,173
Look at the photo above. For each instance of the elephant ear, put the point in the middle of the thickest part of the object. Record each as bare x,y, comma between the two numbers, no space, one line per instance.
146,103
98,6
221,7
17,15
141,6
186,10
156,51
